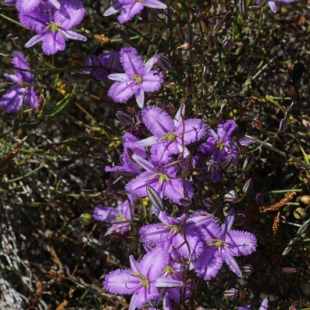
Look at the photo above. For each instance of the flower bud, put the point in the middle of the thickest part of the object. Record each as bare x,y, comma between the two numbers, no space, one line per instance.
259,199
283,125
242,7
248,163
231,293
164,63
247,186
247,269
231,197
300,213
239,219
52,274
288,270
154,197
124,118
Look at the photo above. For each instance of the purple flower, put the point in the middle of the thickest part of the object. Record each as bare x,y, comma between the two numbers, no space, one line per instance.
121,216
219,145
221,245
130,148
53,26
129,8
101,65
137,79
272,4
28,5
163,180
22,91
170,136
173,230
141,279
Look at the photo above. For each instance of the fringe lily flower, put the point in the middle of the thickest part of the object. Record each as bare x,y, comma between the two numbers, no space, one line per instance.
54,26
221,245
130,8
137,79
22,91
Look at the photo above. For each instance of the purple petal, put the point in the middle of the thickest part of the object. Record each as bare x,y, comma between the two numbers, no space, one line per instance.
264,304
162,151
224,131
27,5
15,78
34,20
19,61
140,97
122,91
154,270
155,4
174,190
147,142
178,117
143,163
129,11
34,40
155,233
104,214
231,263
70,14
32,98
157,121
137,186
152,81
71,35
142,296
240,243
12,100
53,42
131,61
121,282
208,264
272,6
120,77
168,282
150,63
55,3
195,129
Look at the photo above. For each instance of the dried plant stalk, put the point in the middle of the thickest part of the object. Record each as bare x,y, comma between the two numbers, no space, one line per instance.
278,205
8,158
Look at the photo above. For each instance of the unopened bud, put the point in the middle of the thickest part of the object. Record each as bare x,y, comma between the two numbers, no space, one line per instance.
227,162
248,163
247,269
283,125
239,219
231,197
124,118
290,89
259,199
288,270
231,293
247,186
155,198
242,7
163,63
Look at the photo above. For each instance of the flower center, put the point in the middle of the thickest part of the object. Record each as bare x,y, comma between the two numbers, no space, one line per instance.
54,27
120,217
137,78
162,177
144,281
220,145
170,136
218,243
168,270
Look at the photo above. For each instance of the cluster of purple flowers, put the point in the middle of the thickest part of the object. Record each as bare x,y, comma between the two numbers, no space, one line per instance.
161,166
